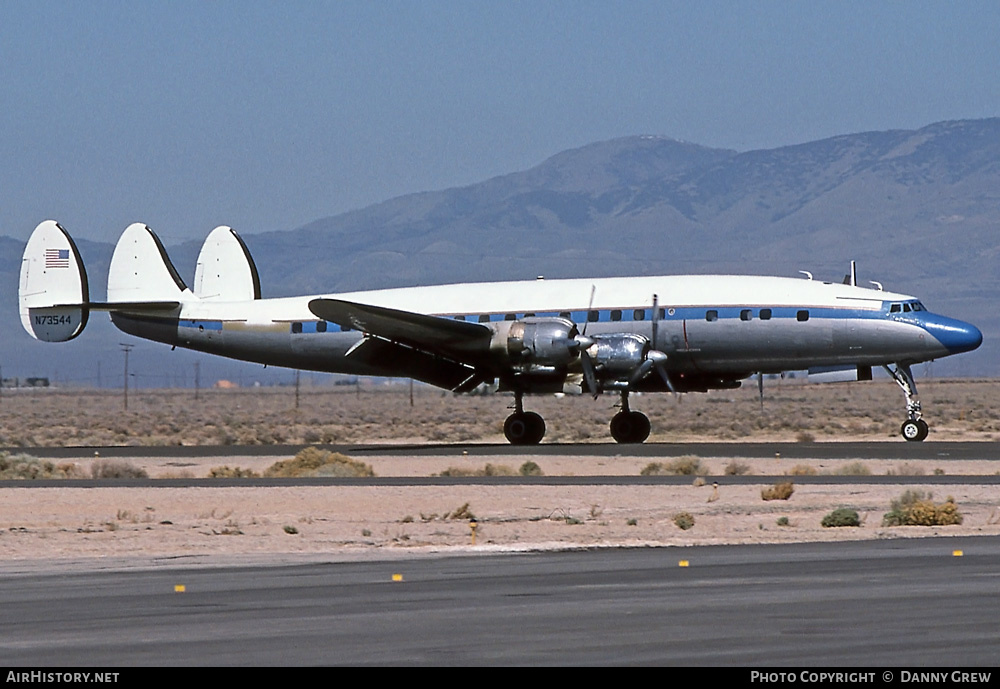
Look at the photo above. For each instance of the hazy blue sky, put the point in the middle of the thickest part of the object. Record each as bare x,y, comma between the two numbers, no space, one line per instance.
267,115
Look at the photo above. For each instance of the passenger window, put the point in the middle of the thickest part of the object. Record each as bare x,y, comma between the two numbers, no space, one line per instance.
746,315
802,315
765,314
510,317
712,315
616,314
321,327
639,315
529,315
296,328
459,318
484,318
593,316
566,314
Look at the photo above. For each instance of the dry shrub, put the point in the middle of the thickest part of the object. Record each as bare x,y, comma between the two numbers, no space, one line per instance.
684,520
779,491
530,468
906,469
687,465
854,469
24,466
805,437
115,469
916,508
842,516
462,512
488,470
736,468
232,472
313,461
802,470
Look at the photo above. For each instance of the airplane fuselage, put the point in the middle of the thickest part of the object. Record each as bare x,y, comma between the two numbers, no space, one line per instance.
728,325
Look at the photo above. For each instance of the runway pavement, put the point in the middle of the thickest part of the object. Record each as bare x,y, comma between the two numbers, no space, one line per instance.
881,604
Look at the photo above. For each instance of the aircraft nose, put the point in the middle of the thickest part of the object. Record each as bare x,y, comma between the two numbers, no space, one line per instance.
957,336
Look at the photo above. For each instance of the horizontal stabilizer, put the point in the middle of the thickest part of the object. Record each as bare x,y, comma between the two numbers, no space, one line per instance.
53,289
433,334
225,270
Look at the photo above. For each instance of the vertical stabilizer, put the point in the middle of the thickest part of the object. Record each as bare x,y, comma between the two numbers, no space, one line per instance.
53,292
226,271
141,271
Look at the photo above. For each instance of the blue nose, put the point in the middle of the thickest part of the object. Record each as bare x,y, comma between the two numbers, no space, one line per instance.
957,336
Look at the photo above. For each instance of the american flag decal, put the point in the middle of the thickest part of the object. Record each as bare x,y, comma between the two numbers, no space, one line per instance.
57,258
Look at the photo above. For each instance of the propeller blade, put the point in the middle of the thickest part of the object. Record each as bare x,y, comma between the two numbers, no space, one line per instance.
588,373
656,321
586,320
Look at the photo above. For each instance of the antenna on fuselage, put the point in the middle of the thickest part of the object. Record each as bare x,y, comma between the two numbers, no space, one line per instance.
852,277
809,276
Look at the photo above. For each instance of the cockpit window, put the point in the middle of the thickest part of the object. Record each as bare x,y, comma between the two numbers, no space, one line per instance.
906,308
917,306
895,308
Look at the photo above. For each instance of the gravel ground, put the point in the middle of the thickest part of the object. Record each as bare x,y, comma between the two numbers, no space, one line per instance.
43,528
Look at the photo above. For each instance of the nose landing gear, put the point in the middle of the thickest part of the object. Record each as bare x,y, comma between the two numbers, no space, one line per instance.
914,429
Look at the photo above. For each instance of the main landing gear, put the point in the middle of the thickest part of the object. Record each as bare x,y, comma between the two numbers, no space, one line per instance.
629,426
914,429
523,427
528,428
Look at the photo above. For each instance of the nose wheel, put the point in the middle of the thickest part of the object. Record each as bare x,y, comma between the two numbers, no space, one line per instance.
914,429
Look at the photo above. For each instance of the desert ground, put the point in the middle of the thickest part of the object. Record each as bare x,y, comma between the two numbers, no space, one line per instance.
156,527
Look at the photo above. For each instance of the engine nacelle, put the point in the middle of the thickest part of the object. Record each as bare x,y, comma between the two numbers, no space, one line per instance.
540,342
618,356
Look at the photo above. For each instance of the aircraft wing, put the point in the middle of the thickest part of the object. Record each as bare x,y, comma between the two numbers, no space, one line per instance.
441,351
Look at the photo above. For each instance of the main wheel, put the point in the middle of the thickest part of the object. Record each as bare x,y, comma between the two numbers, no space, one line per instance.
914,430
526,428
629,427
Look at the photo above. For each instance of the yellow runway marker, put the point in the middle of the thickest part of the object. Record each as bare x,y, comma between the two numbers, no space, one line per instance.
957,553
682,563
179,588
397,577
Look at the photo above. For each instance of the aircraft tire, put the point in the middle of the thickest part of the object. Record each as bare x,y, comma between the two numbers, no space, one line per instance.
914,430
630,427
526,428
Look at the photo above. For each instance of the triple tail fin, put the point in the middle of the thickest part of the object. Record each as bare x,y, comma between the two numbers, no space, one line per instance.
53,293
141,274
226,271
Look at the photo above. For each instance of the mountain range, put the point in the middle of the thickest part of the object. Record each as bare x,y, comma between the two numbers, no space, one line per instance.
917,209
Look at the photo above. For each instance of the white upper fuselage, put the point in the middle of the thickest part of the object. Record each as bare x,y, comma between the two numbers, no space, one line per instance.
573,295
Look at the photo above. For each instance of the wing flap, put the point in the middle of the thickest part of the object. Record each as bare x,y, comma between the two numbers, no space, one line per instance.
412,363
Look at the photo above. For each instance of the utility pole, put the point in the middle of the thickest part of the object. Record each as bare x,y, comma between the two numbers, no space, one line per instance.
125,348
